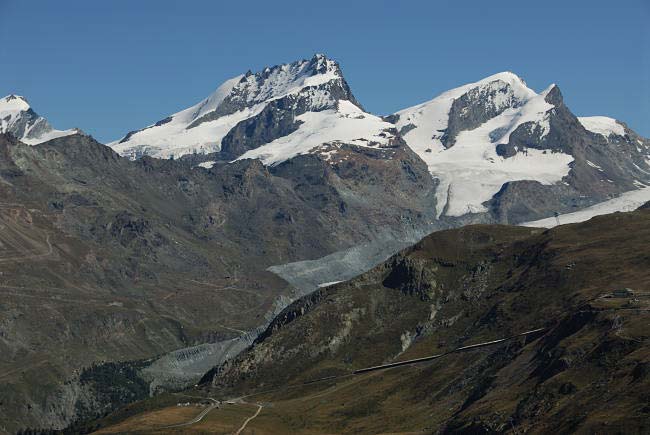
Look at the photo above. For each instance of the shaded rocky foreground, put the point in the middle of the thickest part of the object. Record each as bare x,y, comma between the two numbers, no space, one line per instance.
465,286
108,265
587,372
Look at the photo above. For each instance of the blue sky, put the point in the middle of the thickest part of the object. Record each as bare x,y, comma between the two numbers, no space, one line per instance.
114,66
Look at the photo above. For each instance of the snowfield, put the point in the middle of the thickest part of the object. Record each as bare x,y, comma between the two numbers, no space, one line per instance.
431,118
173,138
628,201
49,136
471,172
207,165
602,125
348,124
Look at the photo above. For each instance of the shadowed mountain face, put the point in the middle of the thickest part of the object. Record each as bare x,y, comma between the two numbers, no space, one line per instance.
107,259
586,372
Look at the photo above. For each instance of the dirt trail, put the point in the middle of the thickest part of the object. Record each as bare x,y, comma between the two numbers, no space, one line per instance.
249,419
228,287
23,368
49,252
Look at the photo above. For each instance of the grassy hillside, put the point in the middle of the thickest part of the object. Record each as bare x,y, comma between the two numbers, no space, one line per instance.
587,372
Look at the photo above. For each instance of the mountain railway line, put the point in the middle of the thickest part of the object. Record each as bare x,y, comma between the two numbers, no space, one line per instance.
355,373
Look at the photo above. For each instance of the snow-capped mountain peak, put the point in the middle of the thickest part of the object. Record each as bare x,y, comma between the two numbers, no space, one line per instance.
11,108
18,119
14,103
306,85
506,81
281,80
464,107
457,134
477,140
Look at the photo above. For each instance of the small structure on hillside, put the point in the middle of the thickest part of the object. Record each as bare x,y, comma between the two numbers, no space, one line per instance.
623,293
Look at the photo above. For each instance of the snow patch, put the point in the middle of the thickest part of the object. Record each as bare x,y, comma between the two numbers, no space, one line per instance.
602,125
327,284
627,201
595,166
207,165
407,339
347,124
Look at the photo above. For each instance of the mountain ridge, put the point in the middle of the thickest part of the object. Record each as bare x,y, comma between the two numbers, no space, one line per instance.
486,143
440,294
477,139
585,370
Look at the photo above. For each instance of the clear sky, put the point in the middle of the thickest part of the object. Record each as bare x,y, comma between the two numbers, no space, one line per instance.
113,66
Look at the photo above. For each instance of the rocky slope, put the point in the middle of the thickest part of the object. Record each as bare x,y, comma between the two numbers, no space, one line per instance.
132,259
586,372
